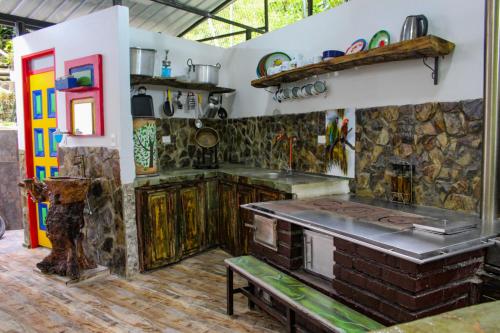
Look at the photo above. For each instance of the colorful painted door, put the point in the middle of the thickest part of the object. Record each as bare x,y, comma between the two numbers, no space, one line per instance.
43,125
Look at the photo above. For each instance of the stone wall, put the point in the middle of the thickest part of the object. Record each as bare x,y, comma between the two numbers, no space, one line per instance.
252,141
10,195
8,106
248,141
181,153
442,140
132,250
105,240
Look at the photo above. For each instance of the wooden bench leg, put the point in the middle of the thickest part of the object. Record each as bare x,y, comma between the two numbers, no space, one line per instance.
229,279
290,320
251,289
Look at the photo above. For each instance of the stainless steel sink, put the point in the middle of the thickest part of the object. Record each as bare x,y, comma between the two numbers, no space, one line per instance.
270,175
282,175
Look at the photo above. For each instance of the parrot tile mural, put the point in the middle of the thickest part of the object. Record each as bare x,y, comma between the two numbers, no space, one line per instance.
340,142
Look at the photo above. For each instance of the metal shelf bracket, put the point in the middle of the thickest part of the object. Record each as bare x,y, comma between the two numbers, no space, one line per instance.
434,69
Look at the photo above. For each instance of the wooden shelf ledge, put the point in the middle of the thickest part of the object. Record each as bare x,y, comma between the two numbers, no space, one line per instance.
173,83
423,47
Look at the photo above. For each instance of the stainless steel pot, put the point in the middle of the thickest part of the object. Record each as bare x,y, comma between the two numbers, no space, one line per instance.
142,61
198,73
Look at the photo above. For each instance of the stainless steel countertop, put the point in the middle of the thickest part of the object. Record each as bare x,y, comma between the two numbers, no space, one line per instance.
410,244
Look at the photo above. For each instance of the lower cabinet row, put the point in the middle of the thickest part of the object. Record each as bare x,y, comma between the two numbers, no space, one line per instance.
178,220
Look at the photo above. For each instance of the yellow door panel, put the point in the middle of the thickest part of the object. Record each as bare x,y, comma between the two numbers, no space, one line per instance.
43,123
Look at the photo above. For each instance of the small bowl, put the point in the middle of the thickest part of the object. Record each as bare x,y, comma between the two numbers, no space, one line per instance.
328,54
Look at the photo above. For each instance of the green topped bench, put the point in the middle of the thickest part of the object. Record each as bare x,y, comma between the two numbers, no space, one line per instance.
310,304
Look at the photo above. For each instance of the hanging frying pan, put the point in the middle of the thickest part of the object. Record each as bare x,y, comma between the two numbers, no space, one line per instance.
142,104
167,107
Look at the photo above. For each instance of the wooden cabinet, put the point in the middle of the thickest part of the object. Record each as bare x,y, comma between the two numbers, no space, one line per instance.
246,194
191,217
157,230
211,236
172,222
264,195
179,220
228,226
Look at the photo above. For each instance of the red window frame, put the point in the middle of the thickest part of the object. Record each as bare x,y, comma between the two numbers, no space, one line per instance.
95,92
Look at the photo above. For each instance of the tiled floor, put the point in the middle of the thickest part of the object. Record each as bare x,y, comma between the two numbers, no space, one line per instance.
187,297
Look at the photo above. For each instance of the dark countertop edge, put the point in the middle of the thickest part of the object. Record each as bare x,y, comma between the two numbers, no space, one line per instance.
479,243
199,174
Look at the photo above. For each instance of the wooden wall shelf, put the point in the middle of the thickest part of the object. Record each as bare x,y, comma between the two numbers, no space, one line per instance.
173,83
420,48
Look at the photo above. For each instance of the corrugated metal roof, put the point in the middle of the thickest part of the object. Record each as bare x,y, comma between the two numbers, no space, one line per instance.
144,14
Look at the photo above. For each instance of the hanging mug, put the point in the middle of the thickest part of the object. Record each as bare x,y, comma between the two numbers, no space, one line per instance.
287,93
307,90
318,87
276,96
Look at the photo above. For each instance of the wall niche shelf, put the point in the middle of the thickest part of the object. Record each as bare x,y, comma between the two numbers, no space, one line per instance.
173,83
420,48
78,89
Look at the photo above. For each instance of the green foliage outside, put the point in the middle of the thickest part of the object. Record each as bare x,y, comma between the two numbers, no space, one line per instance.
145,152
6,34
251,13
7,99
7,107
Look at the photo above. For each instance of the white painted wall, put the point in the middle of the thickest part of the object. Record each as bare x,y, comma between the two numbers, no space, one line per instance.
180,50
408,82
107,33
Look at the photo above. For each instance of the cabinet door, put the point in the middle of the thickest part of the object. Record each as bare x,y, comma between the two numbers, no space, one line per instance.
192,217
212,213
228,222
246,194
158,228
268,195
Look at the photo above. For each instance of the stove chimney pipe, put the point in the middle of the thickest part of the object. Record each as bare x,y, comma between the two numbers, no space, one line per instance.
489,199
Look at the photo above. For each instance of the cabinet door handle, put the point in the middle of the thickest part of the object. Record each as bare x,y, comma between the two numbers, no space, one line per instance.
251,226
312,250
309,243
309,251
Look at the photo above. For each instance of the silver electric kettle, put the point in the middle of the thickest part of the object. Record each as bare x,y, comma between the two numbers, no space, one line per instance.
415,26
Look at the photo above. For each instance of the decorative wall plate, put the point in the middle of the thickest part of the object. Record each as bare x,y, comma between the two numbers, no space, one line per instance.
276,59
380,39
358,46
260,66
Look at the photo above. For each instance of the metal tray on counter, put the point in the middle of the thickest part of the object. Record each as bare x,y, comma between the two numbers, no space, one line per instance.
444,227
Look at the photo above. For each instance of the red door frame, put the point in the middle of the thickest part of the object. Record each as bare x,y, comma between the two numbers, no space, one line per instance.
28,141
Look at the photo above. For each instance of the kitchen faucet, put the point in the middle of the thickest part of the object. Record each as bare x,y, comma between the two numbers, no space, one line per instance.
282,136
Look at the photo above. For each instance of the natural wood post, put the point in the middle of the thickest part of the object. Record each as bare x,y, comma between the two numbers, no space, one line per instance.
64,223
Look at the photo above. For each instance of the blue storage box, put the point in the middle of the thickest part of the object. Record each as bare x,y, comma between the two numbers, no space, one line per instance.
65,83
